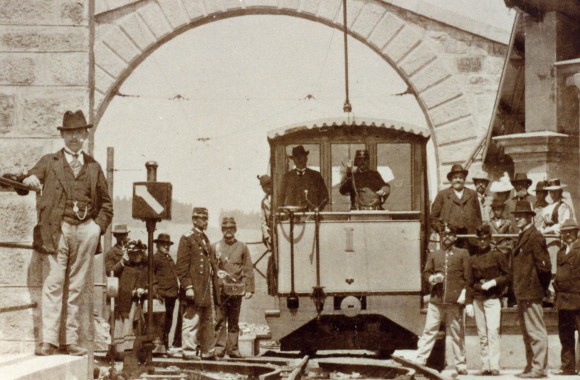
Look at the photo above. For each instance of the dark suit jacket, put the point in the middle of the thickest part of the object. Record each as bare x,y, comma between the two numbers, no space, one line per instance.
460,213
50,171
195,267
164,269
456,269
293,186
567,282
113,260
531,266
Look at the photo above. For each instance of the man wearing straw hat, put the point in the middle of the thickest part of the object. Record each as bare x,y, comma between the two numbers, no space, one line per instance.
531,274
567,286
75,209
558,211
117,257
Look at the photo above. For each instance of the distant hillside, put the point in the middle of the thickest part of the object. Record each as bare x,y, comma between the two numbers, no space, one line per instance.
244,219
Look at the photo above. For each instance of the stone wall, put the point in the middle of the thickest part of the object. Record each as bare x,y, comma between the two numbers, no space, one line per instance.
44,70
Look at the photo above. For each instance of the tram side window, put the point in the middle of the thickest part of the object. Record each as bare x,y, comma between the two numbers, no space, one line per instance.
394,163
340,154
313,156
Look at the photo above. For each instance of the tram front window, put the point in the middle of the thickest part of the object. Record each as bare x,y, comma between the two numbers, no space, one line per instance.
313,156
394,163
340,154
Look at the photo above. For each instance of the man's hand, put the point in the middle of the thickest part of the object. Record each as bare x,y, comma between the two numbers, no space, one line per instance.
222,274
248,295
33,182
436,278
141,292
189,294
125,258
461,299
488,284
469,311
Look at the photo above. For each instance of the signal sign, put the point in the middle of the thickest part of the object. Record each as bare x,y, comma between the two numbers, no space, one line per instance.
152,200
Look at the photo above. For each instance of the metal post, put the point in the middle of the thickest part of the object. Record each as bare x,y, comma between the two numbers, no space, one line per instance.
151,177
108,236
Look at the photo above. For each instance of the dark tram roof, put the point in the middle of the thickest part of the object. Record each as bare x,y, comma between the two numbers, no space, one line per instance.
343,122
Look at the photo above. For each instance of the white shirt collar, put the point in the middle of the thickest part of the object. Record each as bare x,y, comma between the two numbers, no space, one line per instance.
69,156
459,194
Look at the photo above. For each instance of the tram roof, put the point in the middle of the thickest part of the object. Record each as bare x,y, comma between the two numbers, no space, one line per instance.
343,122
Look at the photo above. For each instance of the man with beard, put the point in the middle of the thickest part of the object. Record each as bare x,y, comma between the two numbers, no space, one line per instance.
490,276
481,184
531,273
234,267
456,206
367,189
567,286
195,267
448,272
521,184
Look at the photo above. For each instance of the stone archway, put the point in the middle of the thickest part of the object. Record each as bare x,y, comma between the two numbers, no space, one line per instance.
126,35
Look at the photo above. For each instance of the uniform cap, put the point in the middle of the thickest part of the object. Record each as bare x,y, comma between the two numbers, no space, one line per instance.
228,221
199,211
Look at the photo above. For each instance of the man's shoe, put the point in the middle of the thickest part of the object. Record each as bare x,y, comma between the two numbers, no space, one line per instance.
564,372
235,355
210,357
220,354
75,350
484,372
532,375
186,356
45,349
494,372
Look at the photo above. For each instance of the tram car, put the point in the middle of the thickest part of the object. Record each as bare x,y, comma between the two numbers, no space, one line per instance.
351,279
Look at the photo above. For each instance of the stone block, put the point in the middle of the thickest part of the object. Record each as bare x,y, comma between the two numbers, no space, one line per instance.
429,75
469,64
103,80
17,69
386,29
194,9
216,6
74,11
119,42
137,30
289,4
421,56
402,44
21,324
32,38
329,9
450,111
368,18
174,12
17,219
458,152
101,6
440,92
23,269
70,69
108,60
19,155
459,130
42,110
7,112
493,65
16,347
29,12
155,20
309,6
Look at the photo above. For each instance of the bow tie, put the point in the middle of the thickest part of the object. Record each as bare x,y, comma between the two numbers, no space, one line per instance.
300,172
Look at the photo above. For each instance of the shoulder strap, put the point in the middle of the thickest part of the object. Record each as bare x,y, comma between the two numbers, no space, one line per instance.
555,216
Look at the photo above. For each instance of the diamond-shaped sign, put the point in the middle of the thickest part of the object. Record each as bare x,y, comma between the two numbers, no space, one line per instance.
152,200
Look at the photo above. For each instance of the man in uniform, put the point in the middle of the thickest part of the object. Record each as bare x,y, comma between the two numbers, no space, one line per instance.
75,209
234,267
117,257
195,267
302,186
448,272
531,273
167,285
367,189
567,286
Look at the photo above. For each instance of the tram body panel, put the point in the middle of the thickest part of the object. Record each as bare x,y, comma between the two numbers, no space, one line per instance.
370,256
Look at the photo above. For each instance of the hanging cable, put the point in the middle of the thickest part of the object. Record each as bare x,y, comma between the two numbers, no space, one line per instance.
347,106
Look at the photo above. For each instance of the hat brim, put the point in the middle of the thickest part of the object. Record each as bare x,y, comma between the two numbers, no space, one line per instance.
306,153
464,172
62,128
163,241
555,187
532,213
121,233
476,179
528,182
569,228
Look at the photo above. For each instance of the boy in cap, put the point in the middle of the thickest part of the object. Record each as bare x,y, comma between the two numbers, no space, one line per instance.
531,274
567,286
195,267
490,276
302,186
234,266
366,187
448,272
75,209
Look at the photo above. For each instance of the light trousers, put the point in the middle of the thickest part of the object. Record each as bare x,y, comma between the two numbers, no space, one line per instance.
487,319
531,318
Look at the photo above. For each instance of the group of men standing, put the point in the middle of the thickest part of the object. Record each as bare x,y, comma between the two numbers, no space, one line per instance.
472,275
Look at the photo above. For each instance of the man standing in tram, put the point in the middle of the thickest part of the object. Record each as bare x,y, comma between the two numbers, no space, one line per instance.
302,186
567,286
367,189
448,272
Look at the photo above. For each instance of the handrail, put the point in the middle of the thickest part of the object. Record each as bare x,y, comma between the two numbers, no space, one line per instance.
8,244
15,184
18,308
353,212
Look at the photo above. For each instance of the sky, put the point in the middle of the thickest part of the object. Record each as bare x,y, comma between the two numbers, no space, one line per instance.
202,104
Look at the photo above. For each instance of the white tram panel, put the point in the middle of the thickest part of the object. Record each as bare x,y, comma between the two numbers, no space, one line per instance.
369,256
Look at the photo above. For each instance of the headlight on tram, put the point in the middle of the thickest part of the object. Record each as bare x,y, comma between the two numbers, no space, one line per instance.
350,306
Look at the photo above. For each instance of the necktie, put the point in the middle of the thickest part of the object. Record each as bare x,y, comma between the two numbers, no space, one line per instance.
75,164
300,172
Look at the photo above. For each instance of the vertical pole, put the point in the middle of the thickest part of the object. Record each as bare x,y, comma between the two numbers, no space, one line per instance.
347,106
108,238
151,177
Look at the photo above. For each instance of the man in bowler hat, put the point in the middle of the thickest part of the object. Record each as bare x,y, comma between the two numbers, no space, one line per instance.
481,184
521,184
117,257
567,286
456,206
302,186
531,274
167,285
75,209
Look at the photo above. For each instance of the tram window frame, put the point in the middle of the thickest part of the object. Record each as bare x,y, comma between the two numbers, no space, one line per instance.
403,181
310,148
